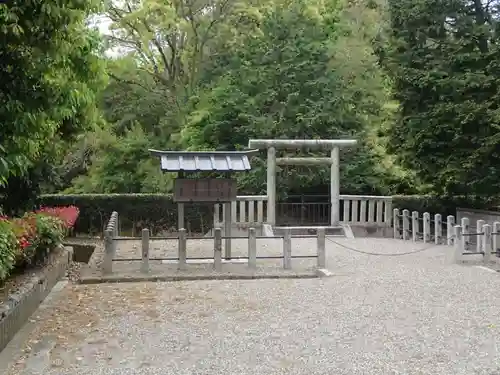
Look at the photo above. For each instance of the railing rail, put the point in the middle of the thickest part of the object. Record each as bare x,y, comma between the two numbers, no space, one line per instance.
110,234
366,210
247,209
481,239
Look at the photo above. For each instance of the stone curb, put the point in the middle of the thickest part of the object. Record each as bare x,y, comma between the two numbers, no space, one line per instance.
23,304
156,278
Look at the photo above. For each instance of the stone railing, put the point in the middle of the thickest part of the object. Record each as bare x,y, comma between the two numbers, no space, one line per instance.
366,210
423,227
248,209
483,239
182,259
110,234
356,209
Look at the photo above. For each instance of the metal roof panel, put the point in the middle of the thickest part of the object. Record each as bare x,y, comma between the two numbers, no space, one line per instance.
204,160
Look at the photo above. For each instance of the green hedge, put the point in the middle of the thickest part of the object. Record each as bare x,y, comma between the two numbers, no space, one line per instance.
156,212
443,205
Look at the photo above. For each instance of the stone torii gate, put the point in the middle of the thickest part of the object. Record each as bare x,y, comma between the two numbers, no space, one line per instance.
332,145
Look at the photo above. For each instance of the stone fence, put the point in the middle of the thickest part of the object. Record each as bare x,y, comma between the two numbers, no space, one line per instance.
112,241
482,239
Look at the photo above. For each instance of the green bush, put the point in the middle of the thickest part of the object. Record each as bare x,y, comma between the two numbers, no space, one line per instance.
49,233
8,248
156,212
443,205
28,240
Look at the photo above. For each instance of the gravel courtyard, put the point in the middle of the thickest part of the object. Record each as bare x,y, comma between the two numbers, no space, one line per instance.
411,314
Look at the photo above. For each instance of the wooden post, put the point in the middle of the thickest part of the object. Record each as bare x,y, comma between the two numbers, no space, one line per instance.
251,212
395,218
347,210
354,217
406,225
387,211
252,248
321,247
145,251
117,230
107,264
486,243
271,185
216,215
243,214
362,211
228,224
465,232
182,249
458,243
495,234
427,227
335,186
414,225
287,249
438,229
180,215
450,223
234,212
260,212
114,243
479,238
218,249
371,211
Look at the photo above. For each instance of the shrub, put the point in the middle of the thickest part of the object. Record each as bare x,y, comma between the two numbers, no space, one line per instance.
8,247
28,240
136,211
159,211
443,205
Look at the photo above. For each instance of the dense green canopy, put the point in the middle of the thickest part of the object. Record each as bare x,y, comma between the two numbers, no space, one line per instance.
415,81
49,76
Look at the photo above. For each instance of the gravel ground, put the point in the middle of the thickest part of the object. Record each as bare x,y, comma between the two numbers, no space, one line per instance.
412,314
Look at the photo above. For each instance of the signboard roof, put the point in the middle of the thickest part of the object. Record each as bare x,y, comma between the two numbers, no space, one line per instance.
174,161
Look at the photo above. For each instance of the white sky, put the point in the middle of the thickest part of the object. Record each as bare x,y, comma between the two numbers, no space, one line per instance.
102,22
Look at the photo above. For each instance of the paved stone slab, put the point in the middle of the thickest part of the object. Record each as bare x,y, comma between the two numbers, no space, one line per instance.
412,314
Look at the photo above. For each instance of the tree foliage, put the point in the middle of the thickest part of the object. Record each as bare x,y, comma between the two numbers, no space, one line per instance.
298,75
134,170
445,59
48,80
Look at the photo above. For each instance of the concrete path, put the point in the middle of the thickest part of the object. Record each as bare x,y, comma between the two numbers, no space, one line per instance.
412,314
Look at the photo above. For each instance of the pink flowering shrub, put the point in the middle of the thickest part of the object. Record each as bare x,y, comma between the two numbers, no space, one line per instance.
29,239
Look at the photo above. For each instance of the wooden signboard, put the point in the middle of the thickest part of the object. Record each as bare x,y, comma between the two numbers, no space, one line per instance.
205,190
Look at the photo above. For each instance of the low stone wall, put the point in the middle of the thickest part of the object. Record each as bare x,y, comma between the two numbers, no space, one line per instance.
25,300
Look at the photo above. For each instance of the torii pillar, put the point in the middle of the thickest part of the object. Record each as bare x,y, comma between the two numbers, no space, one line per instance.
332,145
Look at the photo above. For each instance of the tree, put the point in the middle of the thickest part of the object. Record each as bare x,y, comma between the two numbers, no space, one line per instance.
445,60
49,76
169,40
123,164
135,98
299,75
